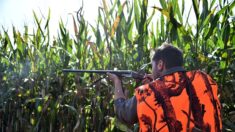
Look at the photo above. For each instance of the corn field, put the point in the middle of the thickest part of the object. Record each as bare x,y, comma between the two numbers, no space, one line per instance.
37,96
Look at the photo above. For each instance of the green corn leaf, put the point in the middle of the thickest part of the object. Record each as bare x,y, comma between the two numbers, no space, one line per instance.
222,65
226,32
172,18
71,108
48,19
120,8
182,6
126,30
62,30
14,34
162,25
100,20
130,30
152,36
212,4
129,19
163,11
220,3
26,32
137,14
38,40
209,16
205,10
177,10
174,33
143,14
75,28
8,42
98,36
105,8
150,18
20,46
186,23
69,46
113,7
215,20
163,4
196,8
231,6
38,22
119,38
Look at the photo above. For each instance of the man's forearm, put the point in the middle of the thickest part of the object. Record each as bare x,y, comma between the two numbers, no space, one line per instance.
126,110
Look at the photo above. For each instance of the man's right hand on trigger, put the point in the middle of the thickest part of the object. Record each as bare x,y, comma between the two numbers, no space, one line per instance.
114,78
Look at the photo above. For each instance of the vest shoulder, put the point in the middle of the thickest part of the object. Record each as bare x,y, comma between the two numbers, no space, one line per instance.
197,72
145,89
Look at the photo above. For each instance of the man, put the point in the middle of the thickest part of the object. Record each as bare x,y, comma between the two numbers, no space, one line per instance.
176,99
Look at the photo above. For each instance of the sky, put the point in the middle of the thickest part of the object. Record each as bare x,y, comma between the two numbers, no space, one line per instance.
20,12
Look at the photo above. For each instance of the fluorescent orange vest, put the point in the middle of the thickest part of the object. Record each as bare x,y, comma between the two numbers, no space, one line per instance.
163,105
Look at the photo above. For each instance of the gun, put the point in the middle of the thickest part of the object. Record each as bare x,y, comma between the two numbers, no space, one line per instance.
120,73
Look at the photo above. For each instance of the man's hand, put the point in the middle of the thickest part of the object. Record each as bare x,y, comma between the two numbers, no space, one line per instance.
118,92
114,78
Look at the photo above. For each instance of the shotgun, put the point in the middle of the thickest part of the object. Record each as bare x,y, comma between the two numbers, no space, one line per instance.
120,73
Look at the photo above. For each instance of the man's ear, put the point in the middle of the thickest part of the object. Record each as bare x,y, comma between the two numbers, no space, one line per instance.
160,65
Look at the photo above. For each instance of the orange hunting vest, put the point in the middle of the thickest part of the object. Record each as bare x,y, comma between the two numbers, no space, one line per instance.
163,105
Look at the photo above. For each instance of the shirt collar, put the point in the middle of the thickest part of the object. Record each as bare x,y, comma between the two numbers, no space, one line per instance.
173,70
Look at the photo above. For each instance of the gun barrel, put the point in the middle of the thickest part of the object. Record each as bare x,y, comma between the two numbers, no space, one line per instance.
123,73
97,71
